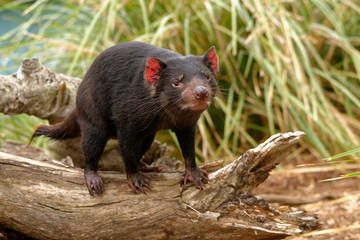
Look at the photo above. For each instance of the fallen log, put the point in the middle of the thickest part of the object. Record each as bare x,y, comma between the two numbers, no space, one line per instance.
44,200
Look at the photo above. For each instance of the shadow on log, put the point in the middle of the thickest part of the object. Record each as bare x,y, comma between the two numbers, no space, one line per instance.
50,201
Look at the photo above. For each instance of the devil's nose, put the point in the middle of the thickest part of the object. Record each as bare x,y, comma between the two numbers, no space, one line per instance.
201,93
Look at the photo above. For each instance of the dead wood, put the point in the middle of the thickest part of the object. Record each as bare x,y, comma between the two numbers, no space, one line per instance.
295,200
50,201
39,91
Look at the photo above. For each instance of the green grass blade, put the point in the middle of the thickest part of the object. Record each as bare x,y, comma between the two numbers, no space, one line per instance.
344,154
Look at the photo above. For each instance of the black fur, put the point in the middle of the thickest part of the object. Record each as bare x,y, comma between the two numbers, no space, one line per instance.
115,99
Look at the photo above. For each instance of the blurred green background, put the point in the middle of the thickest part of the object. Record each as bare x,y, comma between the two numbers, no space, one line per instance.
285,65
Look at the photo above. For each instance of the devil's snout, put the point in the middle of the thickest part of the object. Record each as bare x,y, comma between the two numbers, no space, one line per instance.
201,93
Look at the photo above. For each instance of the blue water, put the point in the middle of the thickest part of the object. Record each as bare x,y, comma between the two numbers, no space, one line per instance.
8,21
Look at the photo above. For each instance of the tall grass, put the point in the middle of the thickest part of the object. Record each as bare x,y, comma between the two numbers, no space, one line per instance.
18,128
285,65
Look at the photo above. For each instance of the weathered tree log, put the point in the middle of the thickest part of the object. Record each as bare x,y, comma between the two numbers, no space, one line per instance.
48,201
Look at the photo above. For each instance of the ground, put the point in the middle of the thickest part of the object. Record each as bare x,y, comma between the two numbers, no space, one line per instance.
335,202
298,183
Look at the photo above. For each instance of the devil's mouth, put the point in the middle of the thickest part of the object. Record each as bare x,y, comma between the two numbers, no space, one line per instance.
198,105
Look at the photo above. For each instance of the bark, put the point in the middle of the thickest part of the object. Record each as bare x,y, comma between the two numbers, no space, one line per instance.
50,201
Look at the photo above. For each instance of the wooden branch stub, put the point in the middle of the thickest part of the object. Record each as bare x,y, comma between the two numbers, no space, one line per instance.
20,92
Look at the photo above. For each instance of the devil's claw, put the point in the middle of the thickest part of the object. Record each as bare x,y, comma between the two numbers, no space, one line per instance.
94,182
138,182
197,176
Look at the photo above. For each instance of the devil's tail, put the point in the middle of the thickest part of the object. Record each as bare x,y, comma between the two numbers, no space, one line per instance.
68,128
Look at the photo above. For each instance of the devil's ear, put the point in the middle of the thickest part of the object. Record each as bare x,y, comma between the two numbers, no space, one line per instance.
153,68
211,59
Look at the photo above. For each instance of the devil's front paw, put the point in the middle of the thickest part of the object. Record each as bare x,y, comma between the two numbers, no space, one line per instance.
138,182
94,182
196,175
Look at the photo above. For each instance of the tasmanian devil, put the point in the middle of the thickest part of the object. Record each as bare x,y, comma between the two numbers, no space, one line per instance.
131,91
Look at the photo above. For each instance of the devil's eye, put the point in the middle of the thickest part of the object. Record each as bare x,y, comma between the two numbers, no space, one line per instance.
176,83
207,77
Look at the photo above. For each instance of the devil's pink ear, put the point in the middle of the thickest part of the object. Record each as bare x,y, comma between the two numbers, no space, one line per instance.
153,69
211,59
